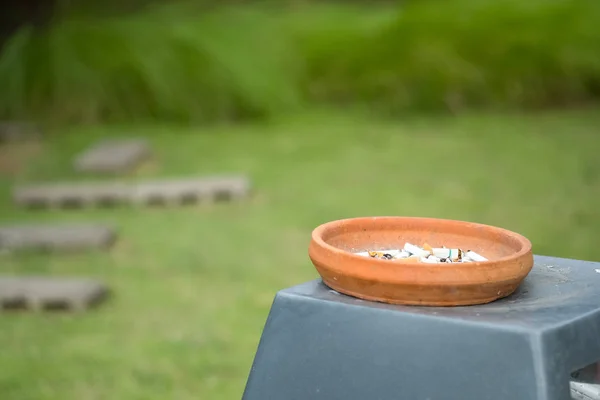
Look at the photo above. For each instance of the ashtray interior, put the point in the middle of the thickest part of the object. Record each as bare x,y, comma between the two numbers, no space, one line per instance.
372,234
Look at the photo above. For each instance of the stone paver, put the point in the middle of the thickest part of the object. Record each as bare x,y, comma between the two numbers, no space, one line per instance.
38,293
113,156
71,195
63,237
186,191
164,192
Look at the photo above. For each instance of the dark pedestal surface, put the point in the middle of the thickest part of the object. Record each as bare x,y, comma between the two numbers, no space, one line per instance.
319,344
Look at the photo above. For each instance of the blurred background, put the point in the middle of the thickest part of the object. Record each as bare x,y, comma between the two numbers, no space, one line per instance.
462,109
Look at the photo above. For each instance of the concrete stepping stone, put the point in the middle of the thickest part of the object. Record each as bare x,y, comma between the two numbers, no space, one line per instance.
64,237
38,293
163,192
191,191
113,156
72,195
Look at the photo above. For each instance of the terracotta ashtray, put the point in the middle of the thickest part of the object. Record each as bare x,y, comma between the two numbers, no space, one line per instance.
334,247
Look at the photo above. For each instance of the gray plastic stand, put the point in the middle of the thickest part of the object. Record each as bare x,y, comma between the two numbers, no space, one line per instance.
319,344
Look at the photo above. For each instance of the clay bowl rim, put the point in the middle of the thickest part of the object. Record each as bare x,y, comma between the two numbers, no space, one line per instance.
417,268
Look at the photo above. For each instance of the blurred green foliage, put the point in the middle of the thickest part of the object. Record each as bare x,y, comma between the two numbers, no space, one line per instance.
163,63
462,53
182,62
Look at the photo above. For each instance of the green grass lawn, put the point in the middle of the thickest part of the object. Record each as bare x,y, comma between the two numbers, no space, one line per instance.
193,286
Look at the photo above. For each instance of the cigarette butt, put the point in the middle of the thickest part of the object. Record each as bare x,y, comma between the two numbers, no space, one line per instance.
416,250
441,253
402,254
392,252
475,257
427,247
453,254
430,260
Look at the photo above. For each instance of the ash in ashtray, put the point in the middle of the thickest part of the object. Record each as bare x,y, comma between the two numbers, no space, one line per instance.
425,254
